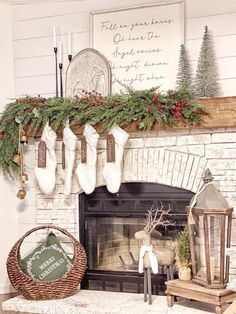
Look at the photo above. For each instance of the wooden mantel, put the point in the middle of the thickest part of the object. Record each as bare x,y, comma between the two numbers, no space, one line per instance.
221,113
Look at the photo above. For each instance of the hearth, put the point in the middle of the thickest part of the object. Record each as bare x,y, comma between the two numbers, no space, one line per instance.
107,226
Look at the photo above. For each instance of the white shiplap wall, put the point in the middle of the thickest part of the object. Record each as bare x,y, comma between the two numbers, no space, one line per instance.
32,37
8,213
6,56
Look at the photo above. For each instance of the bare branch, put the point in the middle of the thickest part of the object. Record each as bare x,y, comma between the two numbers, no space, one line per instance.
152,221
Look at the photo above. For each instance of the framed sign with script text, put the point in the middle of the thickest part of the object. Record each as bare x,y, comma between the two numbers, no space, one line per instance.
142,43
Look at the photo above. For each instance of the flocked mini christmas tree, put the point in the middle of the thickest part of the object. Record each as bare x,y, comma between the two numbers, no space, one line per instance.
206,80
184,76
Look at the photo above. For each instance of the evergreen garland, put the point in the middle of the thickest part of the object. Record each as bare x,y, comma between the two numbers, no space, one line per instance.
184,76
144,108
206,80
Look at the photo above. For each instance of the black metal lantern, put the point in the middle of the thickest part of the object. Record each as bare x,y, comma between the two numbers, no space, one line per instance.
210,220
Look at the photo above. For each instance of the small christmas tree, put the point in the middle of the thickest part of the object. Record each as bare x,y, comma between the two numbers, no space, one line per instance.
184,254
184,247
184,76
206,83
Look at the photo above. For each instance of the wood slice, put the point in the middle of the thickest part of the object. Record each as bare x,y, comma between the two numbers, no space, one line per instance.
111,148
42,154
83,150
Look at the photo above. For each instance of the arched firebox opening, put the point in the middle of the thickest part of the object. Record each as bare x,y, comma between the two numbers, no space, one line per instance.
107,226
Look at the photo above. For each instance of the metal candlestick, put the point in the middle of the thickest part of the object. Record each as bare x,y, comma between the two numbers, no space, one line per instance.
55,53
70,58
61,83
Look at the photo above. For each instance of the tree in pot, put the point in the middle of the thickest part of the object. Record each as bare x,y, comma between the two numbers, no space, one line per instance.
184,271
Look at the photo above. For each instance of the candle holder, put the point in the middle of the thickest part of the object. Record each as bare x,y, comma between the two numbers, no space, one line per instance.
56,76
61,83
70,58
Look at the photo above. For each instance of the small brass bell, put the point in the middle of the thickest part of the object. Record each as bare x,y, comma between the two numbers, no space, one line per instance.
24,177
21,194
24,139
17,159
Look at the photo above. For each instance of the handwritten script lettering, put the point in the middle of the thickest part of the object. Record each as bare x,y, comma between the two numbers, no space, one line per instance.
133,65
142,45
110,26
119,37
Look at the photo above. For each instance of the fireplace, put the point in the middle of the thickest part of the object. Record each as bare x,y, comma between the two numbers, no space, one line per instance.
107,226
174,157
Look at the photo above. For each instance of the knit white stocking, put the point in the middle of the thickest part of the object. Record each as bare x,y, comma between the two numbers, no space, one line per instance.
70,141
86,172
46,177
112,170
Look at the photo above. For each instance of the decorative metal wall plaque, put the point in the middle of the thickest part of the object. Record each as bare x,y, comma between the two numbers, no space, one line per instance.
88,71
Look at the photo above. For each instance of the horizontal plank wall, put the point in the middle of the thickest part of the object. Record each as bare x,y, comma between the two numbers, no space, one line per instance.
8,211
6,56
32,38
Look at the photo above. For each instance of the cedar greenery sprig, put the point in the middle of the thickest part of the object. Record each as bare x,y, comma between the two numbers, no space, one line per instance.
184,246
143,107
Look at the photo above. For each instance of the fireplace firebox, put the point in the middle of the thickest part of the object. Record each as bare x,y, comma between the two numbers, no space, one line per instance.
107,226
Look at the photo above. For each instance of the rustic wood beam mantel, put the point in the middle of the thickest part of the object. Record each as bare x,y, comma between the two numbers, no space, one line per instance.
221,113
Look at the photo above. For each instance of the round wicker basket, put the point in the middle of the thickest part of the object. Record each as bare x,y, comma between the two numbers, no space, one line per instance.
43,290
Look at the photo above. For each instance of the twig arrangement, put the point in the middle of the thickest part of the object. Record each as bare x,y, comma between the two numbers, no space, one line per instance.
155,217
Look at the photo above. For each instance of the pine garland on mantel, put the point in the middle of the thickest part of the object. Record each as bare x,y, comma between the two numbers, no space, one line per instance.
143,108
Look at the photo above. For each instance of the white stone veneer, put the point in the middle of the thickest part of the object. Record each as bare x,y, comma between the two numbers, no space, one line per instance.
172,157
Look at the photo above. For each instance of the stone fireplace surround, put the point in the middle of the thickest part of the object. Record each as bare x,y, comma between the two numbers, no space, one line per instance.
175,157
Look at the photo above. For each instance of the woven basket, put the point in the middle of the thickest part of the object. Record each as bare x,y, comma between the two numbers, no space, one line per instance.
43,290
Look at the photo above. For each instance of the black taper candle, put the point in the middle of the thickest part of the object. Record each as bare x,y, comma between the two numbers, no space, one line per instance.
55,53
61,83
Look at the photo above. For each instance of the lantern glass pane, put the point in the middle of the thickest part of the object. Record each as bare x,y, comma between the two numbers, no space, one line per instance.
227,244
197,235
214,234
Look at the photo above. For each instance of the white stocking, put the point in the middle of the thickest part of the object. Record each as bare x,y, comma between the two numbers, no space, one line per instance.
70,141
86,172
112,170
46,177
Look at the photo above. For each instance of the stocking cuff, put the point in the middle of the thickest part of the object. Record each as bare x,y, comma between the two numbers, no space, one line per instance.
49,137
119,134
69,138
91,135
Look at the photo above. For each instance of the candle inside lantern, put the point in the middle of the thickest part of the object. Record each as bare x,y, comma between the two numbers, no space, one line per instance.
69,44
212,267
54,37
60,52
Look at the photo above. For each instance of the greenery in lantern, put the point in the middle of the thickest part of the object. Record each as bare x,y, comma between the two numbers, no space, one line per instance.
183,246
184,256
143,108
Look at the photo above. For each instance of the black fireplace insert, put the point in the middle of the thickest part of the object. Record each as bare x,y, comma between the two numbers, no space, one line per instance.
108,223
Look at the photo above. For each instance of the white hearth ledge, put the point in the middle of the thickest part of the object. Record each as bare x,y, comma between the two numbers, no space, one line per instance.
101,302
